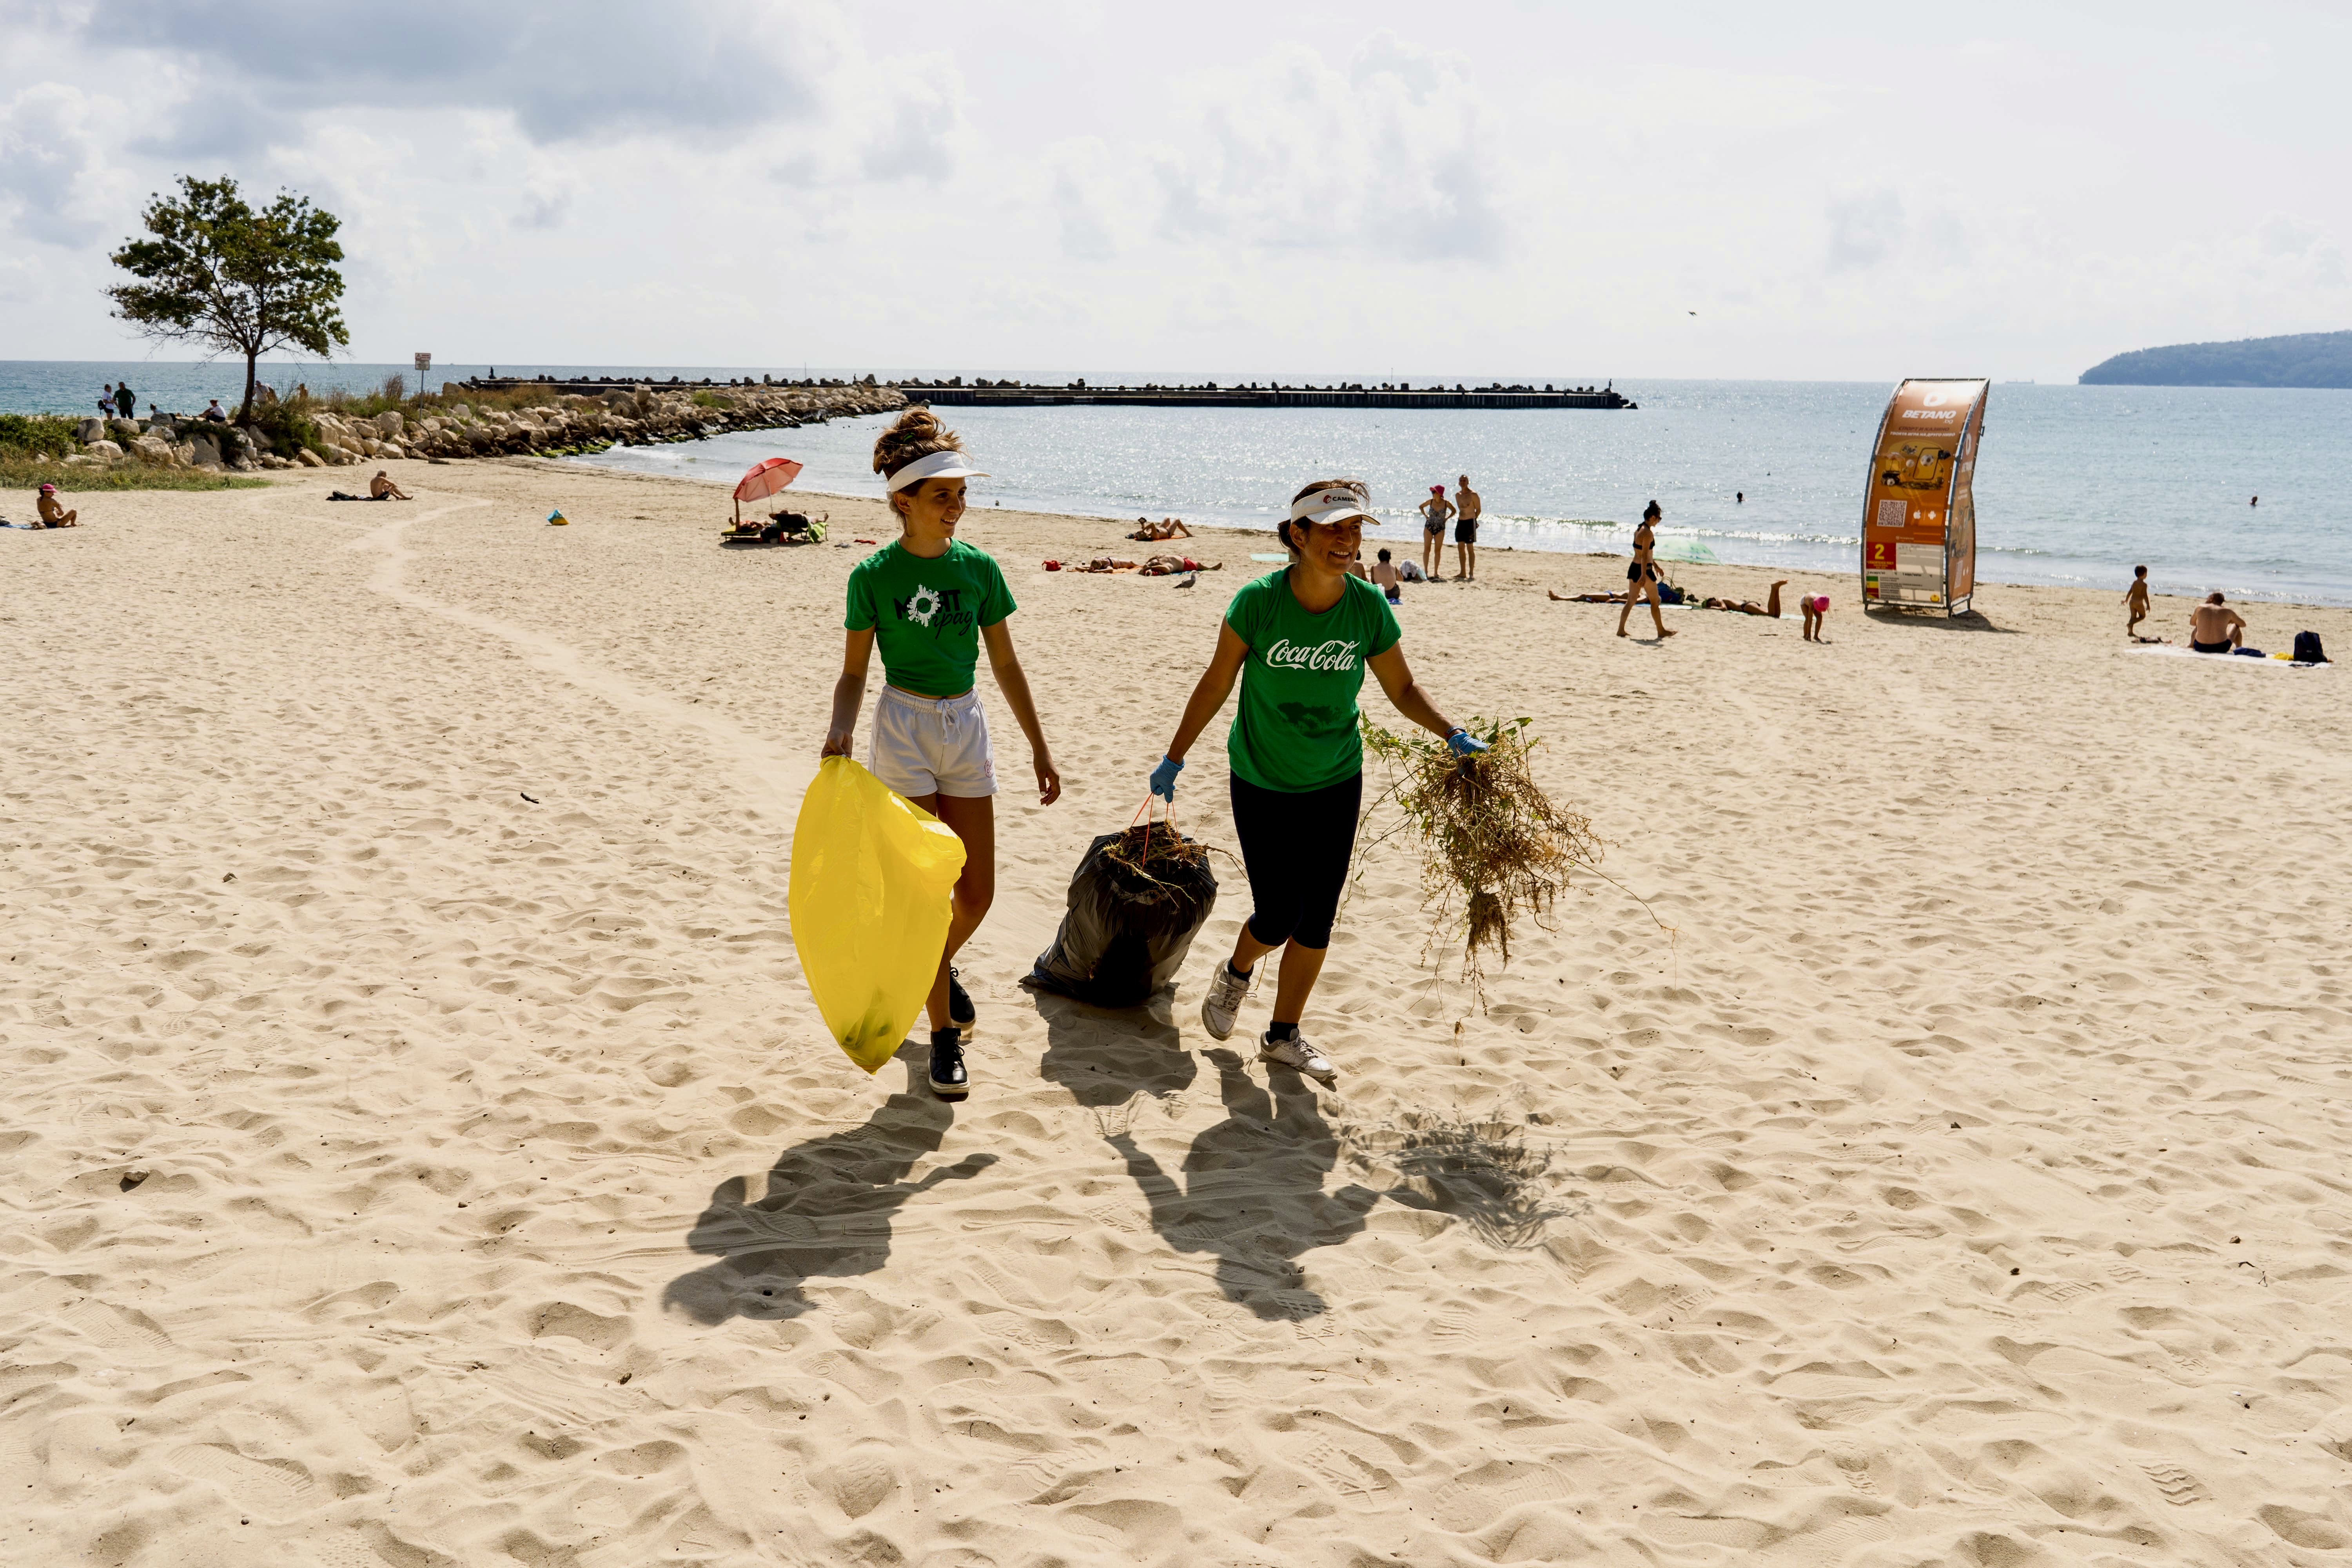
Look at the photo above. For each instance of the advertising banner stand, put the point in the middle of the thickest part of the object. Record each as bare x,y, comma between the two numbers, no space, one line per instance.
1919,515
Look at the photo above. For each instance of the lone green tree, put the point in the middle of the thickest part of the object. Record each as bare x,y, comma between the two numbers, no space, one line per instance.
218,273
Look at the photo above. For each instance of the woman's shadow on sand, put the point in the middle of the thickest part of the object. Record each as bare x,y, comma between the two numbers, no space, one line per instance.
1252,1193
827,1210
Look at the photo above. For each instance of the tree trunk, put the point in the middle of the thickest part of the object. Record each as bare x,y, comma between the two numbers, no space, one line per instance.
245,414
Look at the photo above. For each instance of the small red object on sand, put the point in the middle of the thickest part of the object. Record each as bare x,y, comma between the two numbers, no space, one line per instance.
868,541
1053,565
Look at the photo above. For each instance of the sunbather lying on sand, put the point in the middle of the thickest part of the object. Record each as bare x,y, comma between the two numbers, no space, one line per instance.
1168,566
1166,528
1749,606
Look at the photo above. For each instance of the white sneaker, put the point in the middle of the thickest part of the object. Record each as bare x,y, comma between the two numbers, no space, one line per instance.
1223,1003
1295,1052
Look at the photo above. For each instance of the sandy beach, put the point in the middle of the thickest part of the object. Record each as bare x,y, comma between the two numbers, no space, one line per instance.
421,1151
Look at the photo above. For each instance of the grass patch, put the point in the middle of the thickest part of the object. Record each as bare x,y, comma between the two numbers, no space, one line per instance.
23,435
21,474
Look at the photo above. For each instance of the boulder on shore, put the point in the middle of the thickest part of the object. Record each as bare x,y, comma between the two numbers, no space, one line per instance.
105,449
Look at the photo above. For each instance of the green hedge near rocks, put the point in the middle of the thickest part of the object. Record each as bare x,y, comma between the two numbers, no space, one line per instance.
20,475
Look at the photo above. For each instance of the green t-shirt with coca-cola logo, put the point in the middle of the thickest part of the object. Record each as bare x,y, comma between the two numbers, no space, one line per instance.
1295,729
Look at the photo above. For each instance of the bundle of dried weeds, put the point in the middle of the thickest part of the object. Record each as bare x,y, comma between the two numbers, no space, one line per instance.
1154,862
1495,848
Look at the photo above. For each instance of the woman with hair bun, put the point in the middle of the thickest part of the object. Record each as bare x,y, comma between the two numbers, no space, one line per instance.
1299,640
930,602
1642,576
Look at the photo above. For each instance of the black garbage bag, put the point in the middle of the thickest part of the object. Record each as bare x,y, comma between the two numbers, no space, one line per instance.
1138,899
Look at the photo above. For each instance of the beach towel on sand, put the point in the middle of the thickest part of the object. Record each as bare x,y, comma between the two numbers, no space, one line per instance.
1126,933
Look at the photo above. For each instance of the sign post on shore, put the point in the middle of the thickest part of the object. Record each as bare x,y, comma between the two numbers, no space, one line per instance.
424,368
1919,511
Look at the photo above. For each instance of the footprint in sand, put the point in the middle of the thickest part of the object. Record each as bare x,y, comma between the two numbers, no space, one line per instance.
2178,1486
277,1488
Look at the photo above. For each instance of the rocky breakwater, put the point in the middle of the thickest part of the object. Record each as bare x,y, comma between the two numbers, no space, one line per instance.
557,425
561,425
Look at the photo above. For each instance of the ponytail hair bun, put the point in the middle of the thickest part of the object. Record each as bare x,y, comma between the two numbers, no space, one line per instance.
1651,513
918,433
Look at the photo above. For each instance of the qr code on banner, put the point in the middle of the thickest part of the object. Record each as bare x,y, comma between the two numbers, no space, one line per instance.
1891,513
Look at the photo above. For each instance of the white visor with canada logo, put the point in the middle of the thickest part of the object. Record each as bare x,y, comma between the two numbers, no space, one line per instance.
1333,503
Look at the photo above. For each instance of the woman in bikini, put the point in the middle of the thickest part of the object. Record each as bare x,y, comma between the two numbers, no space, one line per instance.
1642,576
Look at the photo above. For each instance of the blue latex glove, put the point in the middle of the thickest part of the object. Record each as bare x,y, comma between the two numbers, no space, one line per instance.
1463,742
1163,779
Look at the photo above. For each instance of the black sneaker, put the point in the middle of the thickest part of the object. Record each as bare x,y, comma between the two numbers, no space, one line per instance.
960,1012
949,1079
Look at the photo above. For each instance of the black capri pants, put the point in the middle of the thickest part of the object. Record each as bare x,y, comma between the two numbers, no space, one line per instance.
1295,849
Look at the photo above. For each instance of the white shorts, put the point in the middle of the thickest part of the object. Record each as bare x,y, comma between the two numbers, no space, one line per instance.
924,745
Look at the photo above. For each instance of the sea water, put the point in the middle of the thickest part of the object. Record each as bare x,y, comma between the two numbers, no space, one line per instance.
2075,485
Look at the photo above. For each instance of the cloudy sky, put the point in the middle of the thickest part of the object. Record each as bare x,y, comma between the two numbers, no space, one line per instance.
1228,190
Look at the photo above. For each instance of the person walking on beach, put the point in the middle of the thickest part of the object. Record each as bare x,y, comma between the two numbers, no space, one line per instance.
930,602
1433,513
1465,531
1299,640
2135,601
1642,576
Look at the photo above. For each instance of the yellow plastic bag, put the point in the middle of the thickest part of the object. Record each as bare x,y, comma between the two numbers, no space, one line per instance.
872,876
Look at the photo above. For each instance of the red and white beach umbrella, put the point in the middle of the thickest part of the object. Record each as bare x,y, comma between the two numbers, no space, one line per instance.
762,479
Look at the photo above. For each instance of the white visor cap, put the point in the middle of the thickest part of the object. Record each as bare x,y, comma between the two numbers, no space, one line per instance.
938,465
1333,503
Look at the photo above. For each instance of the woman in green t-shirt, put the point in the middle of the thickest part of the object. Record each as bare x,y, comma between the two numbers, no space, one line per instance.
1299,640
930,601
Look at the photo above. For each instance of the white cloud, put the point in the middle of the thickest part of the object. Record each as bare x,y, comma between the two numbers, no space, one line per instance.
51,135
1397,151
1864,229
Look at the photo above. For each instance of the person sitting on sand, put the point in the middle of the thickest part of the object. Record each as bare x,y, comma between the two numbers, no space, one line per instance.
1385,577
216,414
53,515
380,487
1817,610
2214,628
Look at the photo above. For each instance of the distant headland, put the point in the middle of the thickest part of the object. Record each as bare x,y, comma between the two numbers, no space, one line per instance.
2305,359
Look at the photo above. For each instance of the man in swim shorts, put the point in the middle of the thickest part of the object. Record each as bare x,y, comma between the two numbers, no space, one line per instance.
2214,628
1466,532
